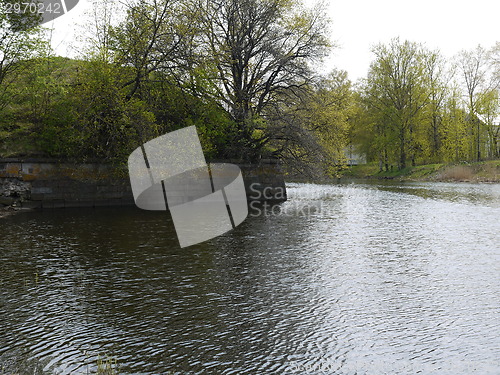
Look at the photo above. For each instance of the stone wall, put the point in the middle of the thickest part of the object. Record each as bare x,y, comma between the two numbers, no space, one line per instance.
264,181
51,184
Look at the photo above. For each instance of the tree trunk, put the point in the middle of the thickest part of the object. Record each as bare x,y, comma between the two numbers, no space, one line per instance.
402,151
478,142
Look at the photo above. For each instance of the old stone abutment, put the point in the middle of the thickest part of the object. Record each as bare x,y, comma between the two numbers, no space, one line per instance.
43,183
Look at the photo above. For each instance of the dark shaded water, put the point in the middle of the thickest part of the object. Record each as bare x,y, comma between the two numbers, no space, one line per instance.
341,279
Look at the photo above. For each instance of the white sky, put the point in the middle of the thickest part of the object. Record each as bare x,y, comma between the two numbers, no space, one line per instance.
447,25
359,24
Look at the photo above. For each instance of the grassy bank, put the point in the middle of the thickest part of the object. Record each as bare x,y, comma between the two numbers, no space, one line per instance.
487,171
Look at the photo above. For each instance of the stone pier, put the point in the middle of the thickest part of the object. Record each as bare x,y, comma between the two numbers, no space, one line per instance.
37,183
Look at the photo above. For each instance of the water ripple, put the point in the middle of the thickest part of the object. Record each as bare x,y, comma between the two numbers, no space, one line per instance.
342,279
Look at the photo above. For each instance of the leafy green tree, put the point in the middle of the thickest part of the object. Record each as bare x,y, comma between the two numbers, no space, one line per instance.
456,138
43,102
488,108
369,131
240,62
176,107
437,84
396,90
329,111
20,41
312,134
361,132
108,124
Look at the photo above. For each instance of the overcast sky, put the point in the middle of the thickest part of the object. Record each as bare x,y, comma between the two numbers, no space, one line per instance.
359,24
447,25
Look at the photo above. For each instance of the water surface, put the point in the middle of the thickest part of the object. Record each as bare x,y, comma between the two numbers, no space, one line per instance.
341,279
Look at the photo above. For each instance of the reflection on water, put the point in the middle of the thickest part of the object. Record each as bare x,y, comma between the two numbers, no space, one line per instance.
341,279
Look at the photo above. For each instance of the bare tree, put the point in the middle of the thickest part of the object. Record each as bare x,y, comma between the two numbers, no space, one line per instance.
154,37
474,67
494,57
260,51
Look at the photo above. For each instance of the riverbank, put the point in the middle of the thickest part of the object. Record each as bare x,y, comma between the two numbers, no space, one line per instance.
486,171
30,184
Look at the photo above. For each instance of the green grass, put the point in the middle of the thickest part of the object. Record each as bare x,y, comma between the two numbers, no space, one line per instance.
486,171
361,171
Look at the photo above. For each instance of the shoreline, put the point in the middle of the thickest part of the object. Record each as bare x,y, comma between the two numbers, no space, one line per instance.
476,172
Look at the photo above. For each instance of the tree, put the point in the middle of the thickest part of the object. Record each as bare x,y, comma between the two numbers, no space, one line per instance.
396,90
250,58
97,38
330,112
20,41
455,135
260,53
490,105
474,67
437,79
488,108
494,58
108,125
369,131
154,38
312,134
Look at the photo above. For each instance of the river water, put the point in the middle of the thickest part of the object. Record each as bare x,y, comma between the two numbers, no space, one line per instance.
365,278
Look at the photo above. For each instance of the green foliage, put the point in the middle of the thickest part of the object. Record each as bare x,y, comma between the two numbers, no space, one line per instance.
20,41
164,65
313,133
396,93
107,125
410,110
240,71
80,110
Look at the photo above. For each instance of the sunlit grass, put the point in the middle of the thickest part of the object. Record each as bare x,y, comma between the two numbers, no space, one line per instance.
487,171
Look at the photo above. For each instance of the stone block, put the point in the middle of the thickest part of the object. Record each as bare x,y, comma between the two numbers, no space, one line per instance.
7,201
53,203
102,203
41,190
79,203
11,170
31,204
30,171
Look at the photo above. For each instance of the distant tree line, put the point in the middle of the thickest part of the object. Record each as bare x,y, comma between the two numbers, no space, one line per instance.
414,107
